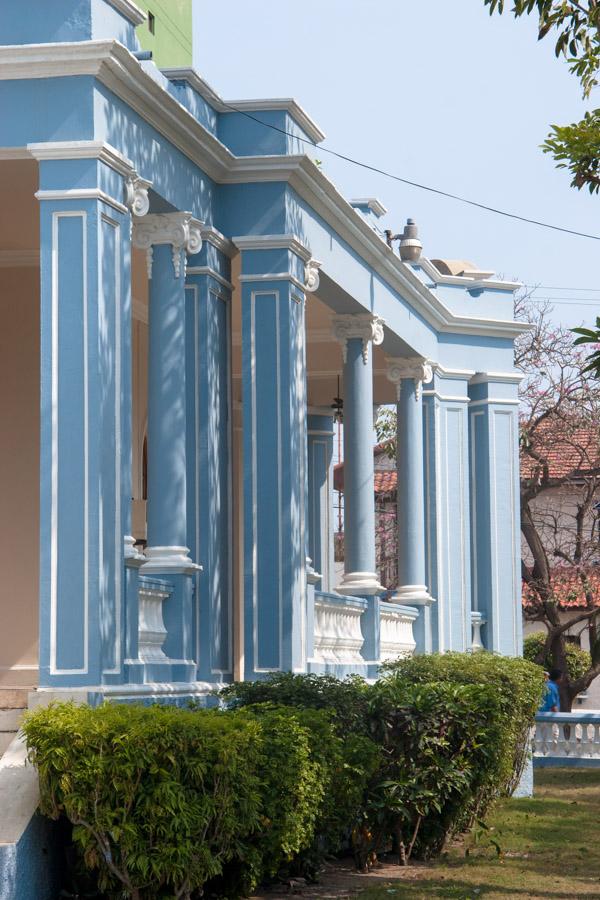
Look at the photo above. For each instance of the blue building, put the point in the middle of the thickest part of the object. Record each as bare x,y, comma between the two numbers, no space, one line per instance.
181,286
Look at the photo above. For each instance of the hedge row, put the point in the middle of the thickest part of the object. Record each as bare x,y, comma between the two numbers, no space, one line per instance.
178,803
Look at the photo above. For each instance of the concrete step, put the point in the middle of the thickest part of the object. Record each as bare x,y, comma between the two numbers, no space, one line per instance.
13,698
10,719
5,739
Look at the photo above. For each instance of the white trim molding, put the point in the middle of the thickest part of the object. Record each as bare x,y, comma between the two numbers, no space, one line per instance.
208,270
77,194
415,367
130,10
179,229
375,205
211,235
367,327
136,193
291,106
273,242
483,282
168,560
497,378
99,150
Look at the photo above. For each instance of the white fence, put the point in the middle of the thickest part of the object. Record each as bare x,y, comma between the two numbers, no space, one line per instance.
567,739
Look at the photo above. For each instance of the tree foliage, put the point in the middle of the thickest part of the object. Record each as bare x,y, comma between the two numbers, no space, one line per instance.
575,25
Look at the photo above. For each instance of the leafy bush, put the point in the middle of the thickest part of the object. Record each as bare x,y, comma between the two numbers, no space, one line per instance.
346,701
578,661
440,742
519,686
292,785
159,798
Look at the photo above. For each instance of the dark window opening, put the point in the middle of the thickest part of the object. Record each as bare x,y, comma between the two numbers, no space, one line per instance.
151,23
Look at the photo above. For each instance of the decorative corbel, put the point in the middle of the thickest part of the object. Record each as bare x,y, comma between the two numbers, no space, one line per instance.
136,195
311,275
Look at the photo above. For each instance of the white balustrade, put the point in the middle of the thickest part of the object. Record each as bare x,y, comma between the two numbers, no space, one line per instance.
151,627
338,635
563,737
396,631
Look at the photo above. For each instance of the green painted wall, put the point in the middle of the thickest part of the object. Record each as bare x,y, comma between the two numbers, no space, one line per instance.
171,43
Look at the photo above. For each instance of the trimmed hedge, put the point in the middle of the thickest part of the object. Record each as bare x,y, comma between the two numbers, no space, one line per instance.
167,802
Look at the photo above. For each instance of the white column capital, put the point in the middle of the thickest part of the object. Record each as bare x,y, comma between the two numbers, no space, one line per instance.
136,195
416,367
311,275
179,229
367,327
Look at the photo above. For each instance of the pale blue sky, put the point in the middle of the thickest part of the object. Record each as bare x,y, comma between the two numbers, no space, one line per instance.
434,91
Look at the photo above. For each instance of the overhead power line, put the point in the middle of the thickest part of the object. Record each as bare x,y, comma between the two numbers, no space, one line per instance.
415,184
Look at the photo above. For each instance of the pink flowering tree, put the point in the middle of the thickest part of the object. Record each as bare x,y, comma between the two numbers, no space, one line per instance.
560,490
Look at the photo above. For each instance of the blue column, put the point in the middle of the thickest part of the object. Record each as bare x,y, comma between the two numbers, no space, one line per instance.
85,423
447,518
408,374
166,238
356,333
320,498
208,421
274,450
494,490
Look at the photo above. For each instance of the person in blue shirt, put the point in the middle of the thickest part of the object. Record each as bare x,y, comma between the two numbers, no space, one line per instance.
551,701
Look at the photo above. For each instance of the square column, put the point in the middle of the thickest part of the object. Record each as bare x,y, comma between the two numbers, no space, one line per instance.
408,374
85,422
494,490
273,284
356,333
447,508
209,447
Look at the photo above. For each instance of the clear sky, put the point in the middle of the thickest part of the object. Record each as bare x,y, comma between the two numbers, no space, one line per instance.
437,92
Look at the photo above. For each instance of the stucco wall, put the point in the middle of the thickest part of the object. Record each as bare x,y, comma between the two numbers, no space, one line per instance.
19,474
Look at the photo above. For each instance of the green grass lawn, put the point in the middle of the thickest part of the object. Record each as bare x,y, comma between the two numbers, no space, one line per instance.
548,848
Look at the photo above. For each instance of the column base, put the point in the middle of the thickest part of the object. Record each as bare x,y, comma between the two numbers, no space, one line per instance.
412,595
168,560
360,584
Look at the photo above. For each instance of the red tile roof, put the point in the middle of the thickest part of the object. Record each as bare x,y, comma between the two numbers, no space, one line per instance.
567,587
385,481
567,450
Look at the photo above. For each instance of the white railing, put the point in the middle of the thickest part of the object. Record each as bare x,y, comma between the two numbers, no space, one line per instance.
564,739
338,635
396,631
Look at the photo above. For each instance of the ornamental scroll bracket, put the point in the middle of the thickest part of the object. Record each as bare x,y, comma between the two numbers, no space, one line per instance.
136,195
178,229
311,275
367,327
416,367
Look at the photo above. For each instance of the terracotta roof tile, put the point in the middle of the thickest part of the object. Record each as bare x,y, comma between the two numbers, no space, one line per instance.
568,450
567,587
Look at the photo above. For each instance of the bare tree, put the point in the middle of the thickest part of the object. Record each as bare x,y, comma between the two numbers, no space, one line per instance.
560,489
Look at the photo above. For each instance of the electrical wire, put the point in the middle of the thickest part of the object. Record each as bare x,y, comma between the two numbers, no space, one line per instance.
415,184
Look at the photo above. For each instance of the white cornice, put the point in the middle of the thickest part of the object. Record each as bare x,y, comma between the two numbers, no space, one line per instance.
208,270
130,10
82,194
375,205
115,67
83,150
291,106
273,242
212,236
471,284
497,378
19,259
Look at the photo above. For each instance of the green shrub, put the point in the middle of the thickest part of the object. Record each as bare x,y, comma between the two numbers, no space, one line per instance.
292,786
519,686
160,798
346,701
578,661
440,742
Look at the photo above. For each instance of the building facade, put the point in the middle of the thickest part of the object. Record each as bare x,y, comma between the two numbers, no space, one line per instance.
181,287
